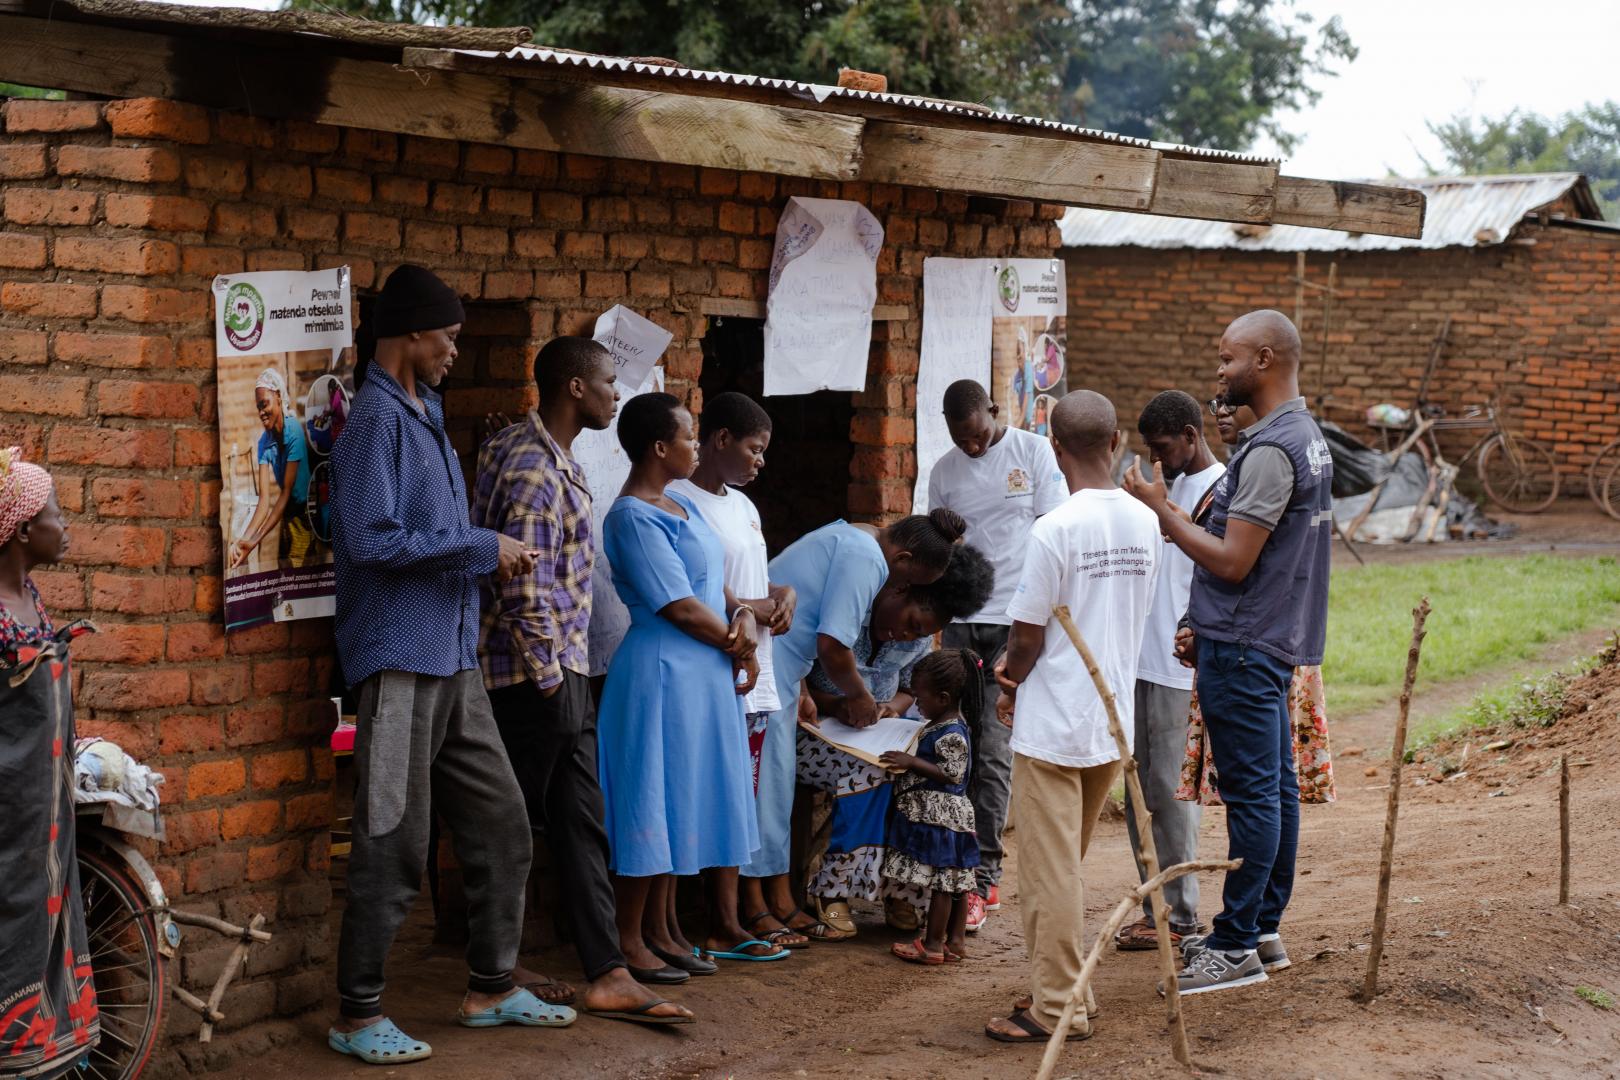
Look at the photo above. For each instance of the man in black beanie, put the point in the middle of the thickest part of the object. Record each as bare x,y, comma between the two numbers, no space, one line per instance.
408,563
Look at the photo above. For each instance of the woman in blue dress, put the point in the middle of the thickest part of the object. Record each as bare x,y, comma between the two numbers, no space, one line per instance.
676,777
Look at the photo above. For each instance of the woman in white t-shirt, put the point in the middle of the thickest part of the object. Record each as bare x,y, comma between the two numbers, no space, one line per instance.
735,433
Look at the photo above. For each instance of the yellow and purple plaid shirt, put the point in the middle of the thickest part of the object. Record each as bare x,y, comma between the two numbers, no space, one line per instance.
534,625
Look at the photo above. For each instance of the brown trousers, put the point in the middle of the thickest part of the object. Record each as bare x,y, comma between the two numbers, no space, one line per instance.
1055,808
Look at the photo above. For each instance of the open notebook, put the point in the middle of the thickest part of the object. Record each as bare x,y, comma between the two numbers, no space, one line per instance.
868,744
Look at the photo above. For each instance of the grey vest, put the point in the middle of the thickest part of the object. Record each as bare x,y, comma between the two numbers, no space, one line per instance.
1280,608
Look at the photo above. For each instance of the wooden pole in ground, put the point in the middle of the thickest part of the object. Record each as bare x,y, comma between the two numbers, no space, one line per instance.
1369,985
1563,829
1150,854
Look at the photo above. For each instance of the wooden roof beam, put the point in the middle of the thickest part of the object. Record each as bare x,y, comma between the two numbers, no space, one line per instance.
1215,190
1356,208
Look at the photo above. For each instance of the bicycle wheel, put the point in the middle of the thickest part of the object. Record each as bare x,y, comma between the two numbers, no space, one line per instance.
1608,496
130,975
1519,475
1599,471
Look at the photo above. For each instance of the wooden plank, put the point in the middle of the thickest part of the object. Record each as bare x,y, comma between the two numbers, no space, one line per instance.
300,83
1095,174
1215,190
1356,208
728,307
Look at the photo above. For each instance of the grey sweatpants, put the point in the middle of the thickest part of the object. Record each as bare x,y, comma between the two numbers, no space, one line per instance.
1159,747
991,782
428,744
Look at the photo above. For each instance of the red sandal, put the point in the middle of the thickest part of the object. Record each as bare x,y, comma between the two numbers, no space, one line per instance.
914,953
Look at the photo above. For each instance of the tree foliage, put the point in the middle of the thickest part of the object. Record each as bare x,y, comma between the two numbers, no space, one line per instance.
1209,72
1586,140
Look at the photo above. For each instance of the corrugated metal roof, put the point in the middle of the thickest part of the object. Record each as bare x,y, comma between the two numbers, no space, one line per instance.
821,93
1467,211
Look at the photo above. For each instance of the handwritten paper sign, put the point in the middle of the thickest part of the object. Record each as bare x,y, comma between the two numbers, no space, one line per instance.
823,285
635,341
957,294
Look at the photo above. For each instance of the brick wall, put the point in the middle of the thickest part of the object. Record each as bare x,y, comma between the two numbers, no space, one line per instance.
1544,319
116,218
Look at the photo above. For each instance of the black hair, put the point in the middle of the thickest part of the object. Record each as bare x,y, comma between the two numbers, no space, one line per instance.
964,588
929,537
564,359
737,413
963,398
1170,413
958,673
647,419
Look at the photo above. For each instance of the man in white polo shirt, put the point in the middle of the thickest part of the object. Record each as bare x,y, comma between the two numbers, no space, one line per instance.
1000,480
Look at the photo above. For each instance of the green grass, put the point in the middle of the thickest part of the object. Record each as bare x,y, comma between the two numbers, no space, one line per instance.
1598,999
1529,702
1489,614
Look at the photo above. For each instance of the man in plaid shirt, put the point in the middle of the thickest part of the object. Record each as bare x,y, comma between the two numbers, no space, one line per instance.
532,645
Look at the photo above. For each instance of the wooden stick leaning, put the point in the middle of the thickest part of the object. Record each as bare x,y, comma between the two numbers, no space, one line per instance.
1563,828
1150,858
1116,919
1369,984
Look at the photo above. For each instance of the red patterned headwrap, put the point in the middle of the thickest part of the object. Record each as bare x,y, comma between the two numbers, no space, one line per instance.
24,488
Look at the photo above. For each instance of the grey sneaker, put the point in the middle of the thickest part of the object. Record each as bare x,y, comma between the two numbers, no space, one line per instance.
1191,946
1212,969
1273,956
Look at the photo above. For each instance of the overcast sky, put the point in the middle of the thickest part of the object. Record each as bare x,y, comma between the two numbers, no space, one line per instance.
1425,60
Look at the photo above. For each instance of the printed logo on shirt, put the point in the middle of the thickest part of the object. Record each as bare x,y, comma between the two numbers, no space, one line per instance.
1317,455
1017,483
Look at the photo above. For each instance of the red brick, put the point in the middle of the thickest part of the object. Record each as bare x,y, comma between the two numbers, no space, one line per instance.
142,448
195,547
137,303
402,191
50,206
313,811
136,736
483,240
215,870
421,236
456,198
509,202
535,243
582,245
209,262
94,543
252,131
139,594
274,861
23,114
196,447
343,185
138,165
557,284
259,818
694,214
189,734
370,145
158,118
374,230
23,161
60,589
23,346
253,726
603,283
556,206
677,249
195,641
875,429
23,251
646,283
273,259
220,684
44,394
279,768
125,497
312,138
113,351
224,174
542,164
121,691
173,400
760,186
508,285
188,830
142,257
122,643
490,160
209,779
70,493
244,220
439,153
629,246
168,213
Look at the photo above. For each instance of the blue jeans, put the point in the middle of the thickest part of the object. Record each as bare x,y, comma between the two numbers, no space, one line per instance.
1244,697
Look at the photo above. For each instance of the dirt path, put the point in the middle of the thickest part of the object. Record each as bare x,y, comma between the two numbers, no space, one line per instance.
1478,976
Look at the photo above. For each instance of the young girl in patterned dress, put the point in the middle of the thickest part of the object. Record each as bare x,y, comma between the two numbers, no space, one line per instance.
933,842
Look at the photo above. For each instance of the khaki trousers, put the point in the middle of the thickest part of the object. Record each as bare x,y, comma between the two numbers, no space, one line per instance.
1055,807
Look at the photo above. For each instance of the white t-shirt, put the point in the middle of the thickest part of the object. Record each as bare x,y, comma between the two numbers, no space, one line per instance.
999,494
1100,553
1159,663
735,519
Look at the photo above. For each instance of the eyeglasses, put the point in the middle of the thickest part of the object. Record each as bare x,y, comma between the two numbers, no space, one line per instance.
1218,407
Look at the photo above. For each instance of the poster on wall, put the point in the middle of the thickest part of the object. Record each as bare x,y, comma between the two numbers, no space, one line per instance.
283,346
1002,322
823,286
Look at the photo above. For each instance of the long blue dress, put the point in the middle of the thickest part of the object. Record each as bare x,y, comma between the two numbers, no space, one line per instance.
672,742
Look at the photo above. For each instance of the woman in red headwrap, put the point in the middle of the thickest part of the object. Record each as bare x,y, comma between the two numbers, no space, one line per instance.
48,1014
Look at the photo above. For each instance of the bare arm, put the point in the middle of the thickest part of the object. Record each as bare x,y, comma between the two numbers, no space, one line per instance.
1228,557
1024,643
838,661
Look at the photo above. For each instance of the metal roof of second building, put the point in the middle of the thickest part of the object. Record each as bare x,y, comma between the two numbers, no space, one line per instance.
1466,211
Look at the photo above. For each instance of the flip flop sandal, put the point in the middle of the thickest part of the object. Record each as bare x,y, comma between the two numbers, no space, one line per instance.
820,930
1034,1033
561,993
736,952
522,1008
1142,936
643,1015
836,914
953,957
659,976
381,1043
696,962
775,937
914,953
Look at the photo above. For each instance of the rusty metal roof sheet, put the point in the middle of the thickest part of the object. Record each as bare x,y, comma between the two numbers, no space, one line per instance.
1463,211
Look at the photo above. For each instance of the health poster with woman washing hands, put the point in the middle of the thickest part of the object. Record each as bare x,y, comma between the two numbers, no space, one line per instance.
284,358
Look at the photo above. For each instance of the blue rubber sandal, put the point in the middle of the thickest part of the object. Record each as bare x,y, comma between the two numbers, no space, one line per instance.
521,1007
736,952
381,1043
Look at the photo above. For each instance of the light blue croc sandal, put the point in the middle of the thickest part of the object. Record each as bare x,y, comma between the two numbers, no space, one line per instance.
381,1043
521,1007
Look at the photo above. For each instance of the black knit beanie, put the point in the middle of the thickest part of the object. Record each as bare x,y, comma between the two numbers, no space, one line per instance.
413,298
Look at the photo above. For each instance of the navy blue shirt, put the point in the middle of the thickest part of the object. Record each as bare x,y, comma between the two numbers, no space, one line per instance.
406,554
